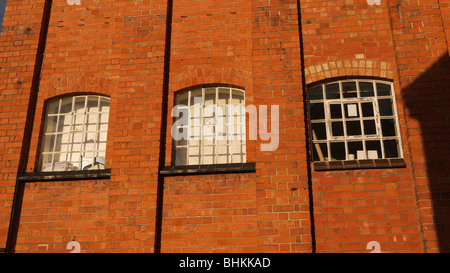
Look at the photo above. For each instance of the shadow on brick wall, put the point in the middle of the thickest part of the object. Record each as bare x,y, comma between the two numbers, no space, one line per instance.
428,101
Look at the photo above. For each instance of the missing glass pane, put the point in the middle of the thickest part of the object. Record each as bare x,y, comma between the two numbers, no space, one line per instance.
369,127
353,149
337,128
320,152
385,106
335,111
337,151
367,109
388,127
319,131
373,149
366,89
317,111
316,93
383,89
349,90
391,148
353,128
332,91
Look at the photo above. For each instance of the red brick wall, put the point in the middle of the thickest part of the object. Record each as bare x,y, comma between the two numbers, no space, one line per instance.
18,44
424,68
351,208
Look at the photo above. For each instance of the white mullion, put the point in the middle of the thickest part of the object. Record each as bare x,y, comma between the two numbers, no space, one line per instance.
201,142
375,89
188,142
97,128
56,135
244,132
215,125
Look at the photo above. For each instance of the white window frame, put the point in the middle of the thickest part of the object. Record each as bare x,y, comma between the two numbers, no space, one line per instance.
355,138
201,144
68,129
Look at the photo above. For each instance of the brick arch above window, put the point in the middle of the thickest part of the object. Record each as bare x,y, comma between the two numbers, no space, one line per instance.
352,67
82,84
203,76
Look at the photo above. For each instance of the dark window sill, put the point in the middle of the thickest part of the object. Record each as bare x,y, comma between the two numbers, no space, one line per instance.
208,169
63,176
359,164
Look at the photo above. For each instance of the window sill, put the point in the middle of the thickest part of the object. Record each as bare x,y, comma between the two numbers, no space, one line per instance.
63,176
208,169
359,164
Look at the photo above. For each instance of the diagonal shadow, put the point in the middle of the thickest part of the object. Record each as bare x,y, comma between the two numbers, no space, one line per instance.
427,100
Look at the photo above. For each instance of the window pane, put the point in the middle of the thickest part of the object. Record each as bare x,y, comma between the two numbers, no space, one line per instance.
332,91
355,149
366,89
2,13
388,127
351,110
80,104
209,128
367,109
319,131
78,133
385,106
320,152
337,128
335,111
66,105
383,89
316,93
349,90
92,104
373,149
337,151
317,111
353,128
391,148
369,127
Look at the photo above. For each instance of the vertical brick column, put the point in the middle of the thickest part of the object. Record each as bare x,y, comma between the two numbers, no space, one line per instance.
18,47
420,33
282,182
136,129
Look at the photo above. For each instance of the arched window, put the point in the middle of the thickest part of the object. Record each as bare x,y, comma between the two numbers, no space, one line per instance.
209,126
75,132
354,119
